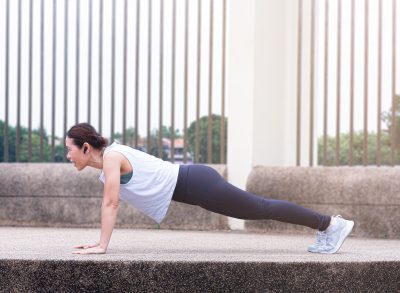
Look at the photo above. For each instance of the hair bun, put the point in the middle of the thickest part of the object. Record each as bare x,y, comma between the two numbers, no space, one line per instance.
84,132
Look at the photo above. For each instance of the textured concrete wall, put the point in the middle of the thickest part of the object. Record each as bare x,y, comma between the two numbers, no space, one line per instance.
370,196
56,195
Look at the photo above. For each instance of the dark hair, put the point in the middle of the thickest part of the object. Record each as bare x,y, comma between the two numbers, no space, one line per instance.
84,132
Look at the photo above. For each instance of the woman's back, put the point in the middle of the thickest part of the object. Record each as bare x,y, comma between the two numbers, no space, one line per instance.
152,183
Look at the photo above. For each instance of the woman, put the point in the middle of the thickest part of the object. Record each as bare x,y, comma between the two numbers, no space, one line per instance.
149,184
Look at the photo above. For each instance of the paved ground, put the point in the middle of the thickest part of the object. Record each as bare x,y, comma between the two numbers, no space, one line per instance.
167,245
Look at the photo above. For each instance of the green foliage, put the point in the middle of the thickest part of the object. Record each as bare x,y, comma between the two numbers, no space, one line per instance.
388,120
130,136
203,129
35,145
167,133
358,144
358,149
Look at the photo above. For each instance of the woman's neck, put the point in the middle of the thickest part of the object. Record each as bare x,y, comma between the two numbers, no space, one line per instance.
96,160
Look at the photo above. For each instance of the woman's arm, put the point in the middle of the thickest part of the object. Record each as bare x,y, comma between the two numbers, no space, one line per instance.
110,205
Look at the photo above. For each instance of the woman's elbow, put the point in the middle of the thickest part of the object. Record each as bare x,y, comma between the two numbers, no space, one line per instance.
111,203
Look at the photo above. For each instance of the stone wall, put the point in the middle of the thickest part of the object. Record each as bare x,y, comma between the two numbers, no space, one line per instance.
368,195
57,195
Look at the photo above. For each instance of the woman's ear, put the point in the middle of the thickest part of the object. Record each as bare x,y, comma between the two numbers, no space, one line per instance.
85,147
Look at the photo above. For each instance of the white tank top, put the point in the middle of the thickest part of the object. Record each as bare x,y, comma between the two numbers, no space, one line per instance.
152,183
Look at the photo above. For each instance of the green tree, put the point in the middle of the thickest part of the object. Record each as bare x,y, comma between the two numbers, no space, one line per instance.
35,145
216,144
130,135
358,143
166,132
358,149
387,118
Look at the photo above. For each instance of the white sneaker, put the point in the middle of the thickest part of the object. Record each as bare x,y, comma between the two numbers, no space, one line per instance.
320,241
330,240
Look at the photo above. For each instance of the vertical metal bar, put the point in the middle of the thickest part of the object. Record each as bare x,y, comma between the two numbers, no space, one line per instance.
197,137
299,65
113,71
149,80
160,132
222,132
352,83
41,78
338,81
326,82
90,61
365,157
7,43
53,109
65,73
210,86
30,83
186,83
172,130
101,65
125,70
312,57
18,137
393,134
209,123
78,17
378,140
185,107
137,74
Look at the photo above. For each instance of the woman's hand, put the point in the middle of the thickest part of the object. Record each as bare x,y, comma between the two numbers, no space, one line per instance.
87,246
91,250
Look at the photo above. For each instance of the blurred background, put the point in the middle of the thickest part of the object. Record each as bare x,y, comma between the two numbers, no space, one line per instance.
302,82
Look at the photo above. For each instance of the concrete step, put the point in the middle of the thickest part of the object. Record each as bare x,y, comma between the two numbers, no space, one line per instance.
40,259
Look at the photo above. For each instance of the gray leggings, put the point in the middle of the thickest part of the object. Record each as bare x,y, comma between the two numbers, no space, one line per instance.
202,186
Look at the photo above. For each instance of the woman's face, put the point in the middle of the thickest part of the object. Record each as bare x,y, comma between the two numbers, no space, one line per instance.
75,155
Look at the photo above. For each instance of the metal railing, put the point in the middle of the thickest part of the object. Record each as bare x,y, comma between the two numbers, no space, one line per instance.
175,81
359,21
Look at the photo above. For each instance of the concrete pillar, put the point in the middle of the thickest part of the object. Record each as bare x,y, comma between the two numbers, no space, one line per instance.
240,89
262,87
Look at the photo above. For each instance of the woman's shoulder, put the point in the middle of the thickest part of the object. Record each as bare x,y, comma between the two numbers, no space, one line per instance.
112,155
129,152
119,152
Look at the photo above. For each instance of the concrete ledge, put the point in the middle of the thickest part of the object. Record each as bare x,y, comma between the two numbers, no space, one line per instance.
40,259
56,195
69,276
369,195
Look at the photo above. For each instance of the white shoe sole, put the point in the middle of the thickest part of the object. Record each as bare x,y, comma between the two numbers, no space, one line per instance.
315,250
343,235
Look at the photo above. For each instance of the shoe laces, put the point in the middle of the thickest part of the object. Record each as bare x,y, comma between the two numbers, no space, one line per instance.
321,238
